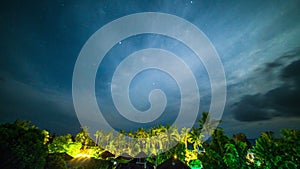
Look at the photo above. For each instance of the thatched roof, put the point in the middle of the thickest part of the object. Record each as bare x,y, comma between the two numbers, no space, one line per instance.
124,156
106,154
141,155
138,162
173,164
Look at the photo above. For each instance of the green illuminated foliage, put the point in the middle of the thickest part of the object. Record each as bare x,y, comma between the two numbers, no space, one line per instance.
25,146
64,144
84,138
235,156
278,153
215,150
195,164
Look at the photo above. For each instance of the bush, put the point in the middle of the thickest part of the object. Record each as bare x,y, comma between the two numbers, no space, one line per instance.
22,146
56,161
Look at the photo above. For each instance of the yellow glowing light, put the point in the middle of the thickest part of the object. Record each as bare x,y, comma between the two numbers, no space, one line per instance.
175,157
82,156
250,157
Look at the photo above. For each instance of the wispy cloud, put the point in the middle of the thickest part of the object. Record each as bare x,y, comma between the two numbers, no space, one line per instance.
42,105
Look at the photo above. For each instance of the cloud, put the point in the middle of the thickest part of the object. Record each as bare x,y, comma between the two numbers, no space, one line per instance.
281,101
42,105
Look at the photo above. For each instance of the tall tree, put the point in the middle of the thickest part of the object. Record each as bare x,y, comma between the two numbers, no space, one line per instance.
184,135
206,124
215,150
235,155
84,138
22,146
241,137
266,151
289,147
277,153
172,136
195,139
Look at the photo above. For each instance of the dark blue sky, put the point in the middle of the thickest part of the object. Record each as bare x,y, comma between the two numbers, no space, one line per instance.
258,43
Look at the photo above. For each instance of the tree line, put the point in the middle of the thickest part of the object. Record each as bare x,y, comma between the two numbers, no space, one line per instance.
23,145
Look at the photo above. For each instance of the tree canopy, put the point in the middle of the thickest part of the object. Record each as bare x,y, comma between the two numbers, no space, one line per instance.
24,146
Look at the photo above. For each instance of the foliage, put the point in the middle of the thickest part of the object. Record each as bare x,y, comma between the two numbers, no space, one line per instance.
64,144
84,138
22,146
96,152
236,155
278,153
195,164
215,150
58,144
190,155
25,146
241,137
55,160
266,151
289,147
194,137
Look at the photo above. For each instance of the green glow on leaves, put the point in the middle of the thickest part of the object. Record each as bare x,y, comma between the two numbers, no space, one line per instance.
195,164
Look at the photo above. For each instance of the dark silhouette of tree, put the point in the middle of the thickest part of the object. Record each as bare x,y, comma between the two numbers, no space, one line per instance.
215,150
55,160
241,137
289,148
22,146
25,146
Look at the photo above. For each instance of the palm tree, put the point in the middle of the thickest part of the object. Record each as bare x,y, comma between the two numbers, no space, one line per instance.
142,135
195,138
131,144
162,136
84,137
203,119
109,142
184,135
159,137
172,136
97,135
120,143
156,141
206,124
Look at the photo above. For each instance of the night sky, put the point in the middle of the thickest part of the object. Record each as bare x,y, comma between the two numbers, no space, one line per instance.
258,43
